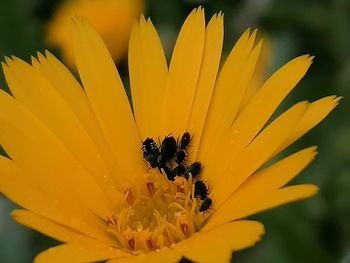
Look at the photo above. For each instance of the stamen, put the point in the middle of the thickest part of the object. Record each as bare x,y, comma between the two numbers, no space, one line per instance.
128,195
150,244
183,221
178,206
111,220
131,242
180,184
145,240
150,187
129,236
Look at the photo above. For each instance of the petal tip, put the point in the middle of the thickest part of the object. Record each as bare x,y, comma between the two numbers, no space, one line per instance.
4,65
8,60
313,190
337,99
313,150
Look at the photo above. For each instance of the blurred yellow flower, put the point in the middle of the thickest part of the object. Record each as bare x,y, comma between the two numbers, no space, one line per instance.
81,160
112,19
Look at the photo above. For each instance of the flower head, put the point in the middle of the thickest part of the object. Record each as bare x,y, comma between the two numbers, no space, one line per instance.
173,177
112,19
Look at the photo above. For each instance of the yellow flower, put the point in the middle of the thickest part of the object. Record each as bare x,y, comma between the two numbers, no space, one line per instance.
81,159
113,20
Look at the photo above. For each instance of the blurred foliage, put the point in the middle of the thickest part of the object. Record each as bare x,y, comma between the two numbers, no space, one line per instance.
315,230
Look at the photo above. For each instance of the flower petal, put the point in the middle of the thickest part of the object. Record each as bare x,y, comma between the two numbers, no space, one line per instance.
315,113
148,70
16,186
50,228
183,74
267,180
277,175
277,198
260,73
33,90
107,96
76,253
256,154
234,209
259,110
232,106
213,42
226,94
205,248
73,94
29,144
239,234
217,245
243,83
164,255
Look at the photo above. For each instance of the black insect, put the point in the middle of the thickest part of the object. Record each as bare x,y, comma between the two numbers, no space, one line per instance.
185,141
200,190
150,152
149,146
195,169
170,174
180,156
168,149
180,170
205,204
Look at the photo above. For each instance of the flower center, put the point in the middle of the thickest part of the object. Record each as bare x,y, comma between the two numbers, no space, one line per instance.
166,205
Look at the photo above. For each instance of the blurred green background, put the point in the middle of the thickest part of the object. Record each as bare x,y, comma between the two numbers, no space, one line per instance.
315,230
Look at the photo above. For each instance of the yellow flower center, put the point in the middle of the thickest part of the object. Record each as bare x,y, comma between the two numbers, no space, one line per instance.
157,211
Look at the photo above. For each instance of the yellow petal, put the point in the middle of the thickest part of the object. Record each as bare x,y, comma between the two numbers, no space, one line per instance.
232,83
224,91
267,180
239,234
230,109
107,96
315,113
33,90
210,64
218,244
7,166
256,154
148,70
277,175
183,74
164,255
236,208
19,189
73,94
76,253
205,248
260,73
277,198
30,144
50,228
243,82
259,110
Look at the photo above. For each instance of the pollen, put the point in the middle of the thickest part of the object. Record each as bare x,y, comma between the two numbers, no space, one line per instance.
161,208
